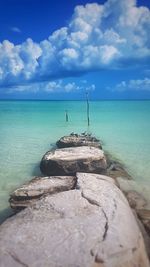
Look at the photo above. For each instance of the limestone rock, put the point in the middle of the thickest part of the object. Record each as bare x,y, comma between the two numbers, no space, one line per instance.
75,140
28,193
91,226
68,161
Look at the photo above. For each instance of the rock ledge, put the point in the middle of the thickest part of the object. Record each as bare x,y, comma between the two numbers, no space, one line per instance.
68,161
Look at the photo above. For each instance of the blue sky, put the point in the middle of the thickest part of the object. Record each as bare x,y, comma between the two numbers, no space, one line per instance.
59,49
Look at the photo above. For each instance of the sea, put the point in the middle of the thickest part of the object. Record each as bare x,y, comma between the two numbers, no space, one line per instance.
30,128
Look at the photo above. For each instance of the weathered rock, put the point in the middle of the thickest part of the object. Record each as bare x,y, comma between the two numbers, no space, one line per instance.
68,161
89,227
134,193
28,193
75,140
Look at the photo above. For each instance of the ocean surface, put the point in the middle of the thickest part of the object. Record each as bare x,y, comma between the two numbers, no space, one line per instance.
29,128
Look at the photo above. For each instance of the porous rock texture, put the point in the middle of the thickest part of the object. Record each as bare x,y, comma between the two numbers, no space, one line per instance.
68,161
91,226
33,190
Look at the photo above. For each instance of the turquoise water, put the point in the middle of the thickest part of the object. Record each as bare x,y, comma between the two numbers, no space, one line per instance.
29,128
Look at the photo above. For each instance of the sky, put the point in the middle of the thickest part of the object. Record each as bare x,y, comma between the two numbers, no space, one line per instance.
52,49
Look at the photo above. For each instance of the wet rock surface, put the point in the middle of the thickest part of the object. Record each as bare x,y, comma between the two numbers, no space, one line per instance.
144,215
92,225
68,161
74,140
135,200
146,237
33,190
116,168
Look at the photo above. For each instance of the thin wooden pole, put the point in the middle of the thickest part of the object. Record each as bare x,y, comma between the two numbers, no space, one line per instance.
88,108
66,112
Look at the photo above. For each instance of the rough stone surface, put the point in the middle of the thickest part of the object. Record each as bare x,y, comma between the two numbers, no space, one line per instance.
38,187
68,161
91,226
75,140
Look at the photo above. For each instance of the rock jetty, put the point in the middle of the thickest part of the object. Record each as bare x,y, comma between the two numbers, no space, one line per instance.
75,215
89,226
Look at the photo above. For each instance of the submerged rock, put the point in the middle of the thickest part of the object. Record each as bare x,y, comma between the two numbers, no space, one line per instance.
144,215
68,161
30,192
146,237
116,168
75,140
134,193
135,199
89,227
139,190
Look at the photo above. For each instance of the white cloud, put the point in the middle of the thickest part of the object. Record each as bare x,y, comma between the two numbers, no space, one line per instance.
53,87
137,85
115,34
58,86
71,87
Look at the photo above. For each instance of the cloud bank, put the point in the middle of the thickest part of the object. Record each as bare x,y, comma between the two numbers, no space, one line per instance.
54,87
137,85
112,35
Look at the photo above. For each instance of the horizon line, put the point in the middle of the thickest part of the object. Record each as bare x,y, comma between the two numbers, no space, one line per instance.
144,99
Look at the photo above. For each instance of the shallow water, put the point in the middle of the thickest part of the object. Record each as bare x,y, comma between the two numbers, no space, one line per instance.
29,128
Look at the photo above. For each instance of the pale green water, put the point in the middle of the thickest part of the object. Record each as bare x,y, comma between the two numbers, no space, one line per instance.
28,128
